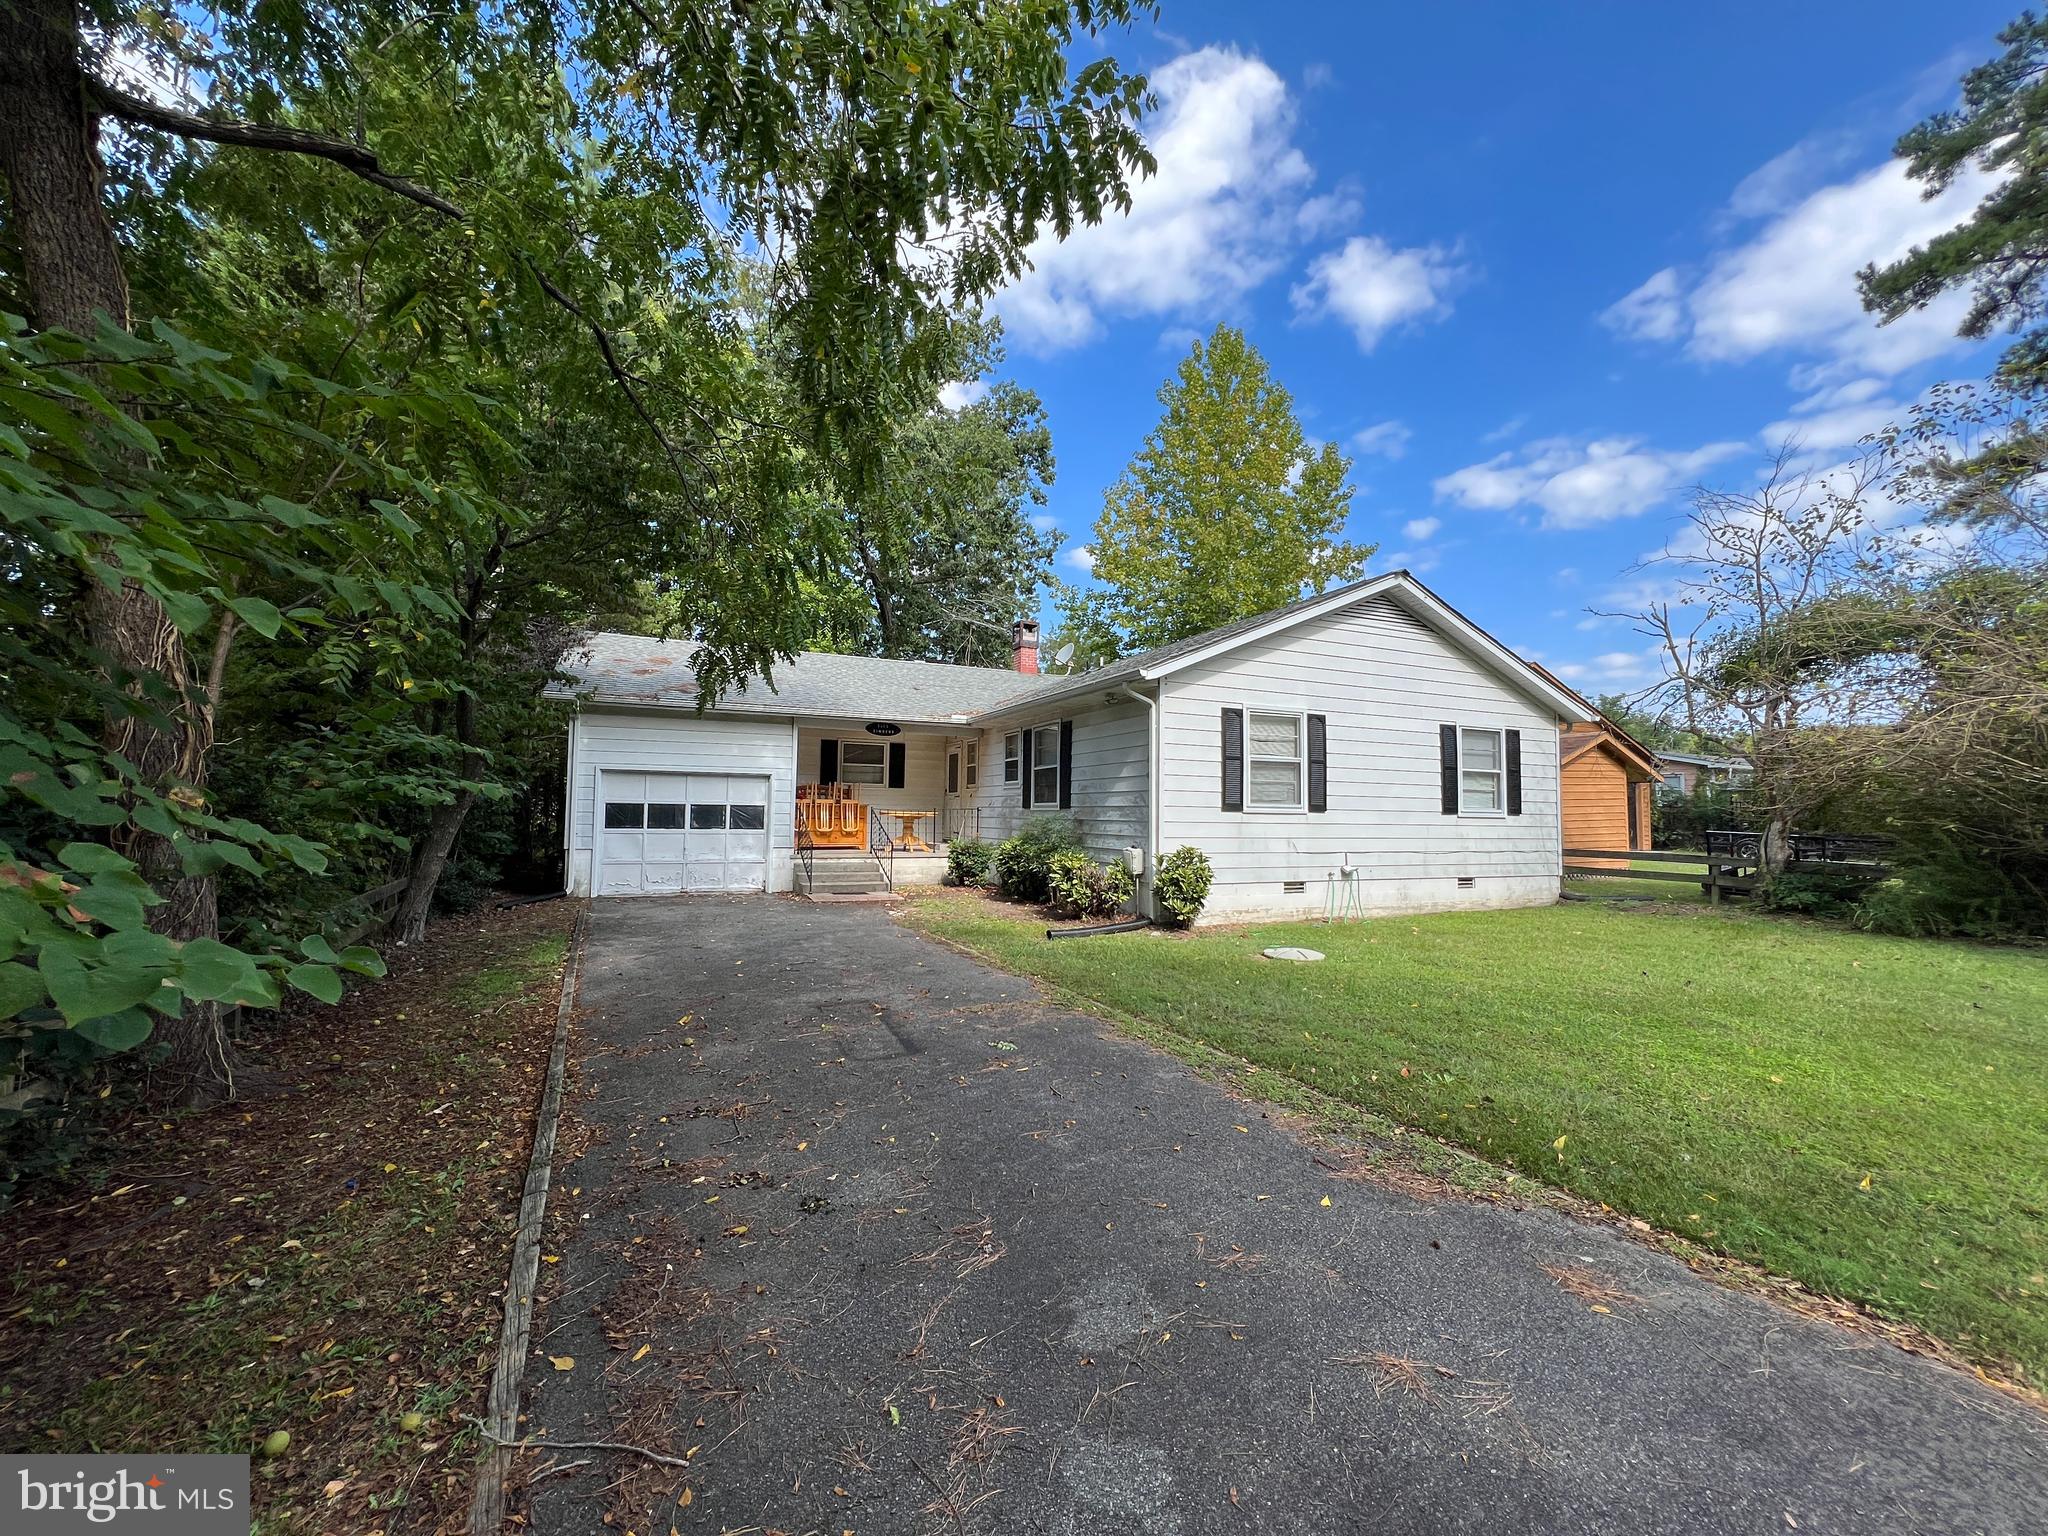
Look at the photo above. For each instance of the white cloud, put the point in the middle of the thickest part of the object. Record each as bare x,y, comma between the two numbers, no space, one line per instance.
1420,530
1044,522
1388,439
1842,426
1610,670
1214,222
1081,557
1651,313
1578,485
1328,212
1791,287
962,392
1373,287
1784,179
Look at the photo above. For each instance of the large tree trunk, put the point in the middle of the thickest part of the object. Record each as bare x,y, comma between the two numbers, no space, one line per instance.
71,266
409,926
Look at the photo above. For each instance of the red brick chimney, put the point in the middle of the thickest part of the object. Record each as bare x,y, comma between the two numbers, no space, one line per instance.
1024,646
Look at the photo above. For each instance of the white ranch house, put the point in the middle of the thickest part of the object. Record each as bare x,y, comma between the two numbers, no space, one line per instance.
1372,726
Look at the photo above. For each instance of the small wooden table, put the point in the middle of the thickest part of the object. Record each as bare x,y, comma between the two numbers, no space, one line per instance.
907,840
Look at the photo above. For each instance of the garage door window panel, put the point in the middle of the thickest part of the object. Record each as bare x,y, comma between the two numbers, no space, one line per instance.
749,818
623,816
707,818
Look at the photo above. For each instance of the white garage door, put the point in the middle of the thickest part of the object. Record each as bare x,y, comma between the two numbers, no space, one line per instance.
682,832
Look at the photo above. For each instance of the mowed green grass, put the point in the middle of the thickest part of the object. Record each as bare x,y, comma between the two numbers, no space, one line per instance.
1866,1115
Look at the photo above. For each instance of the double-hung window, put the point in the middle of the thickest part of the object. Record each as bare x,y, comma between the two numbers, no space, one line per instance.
1274,761
1012,759
973,764
1482,772
1045,765
863,762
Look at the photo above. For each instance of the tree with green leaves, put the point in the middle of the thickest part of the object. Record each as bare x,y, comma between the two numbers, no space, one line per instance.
2001,251
1228,510
505,226
942,545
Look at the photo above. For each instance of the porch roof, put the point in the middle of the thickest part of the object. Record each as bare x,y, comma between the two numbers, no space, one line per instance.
636,670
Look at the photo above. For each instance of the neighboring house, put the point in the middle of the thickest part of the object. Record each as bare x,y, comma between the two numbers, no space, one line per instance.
1686,772
1371,726
1605,776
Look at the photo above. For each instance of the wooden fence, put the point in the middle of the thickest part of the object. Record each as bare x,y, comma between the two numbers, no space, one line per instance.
1717,874
360,916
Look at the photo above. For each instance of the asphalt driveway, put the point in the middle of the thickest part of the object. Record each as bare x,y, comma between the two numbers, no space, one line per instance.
874,1240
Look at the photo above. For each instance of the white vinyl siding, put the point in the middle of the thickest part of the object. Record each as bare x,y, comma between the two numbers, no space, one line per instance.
1112,748
624,742
1385,682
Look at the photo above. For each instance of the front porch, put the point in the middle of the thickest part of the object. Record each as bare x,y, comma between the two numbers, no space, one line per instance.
876,808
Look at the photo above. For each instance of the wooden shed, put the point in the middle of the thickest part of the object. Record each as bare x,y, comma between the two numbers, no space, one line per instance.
1606,778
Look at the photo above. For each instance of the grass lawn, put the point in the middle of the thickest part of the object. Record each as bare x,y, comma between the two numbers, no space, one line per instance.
323,1257
1868,1116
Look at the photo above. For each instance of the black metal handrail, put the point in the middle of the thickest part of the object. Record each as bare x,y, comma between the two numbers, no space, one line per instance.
884,853
805,845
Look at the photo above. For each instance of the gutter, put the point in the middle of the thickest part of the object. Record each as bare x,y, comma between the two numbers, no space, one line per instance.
1151,800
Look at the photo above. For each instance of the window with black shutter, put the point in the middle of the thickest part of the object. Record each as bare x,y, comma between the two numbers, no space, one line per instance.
1233,759
1318,764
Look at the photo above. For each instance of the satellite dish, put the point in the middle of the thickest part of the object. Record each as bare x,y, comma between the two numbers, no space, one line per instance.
1063,655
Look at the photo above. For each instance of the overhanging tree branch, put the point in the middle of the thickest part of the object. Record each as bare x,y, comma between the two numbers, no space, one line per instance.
350,157
363,163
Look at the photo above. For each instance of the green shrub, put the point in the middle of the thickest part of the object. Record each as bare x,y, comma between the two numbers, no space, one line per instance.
1814,895
1951,893
1181,884
1080,887
967,860
1021,862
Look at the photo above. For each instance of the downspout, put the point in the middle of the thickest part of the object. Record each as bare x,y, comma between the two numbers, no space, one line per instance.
569,801
1151,803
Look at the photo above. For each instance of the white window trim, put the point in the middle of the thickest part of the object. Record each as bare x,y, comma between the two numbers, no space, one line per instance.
1013,756
1500,737
1300,806
970,767
1058,780
864,741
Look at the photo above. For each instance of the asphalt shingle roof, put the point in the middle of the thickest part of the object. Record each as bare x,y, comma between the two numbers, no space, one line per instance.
634,669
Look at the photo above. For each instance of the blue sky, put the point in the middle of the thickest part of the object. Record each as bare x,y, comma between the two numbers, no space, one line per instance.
1541,269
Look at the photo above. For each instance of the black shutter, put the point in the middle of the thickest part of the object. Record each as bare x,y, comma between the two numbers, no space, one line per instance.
828,761
1447,761
1514,773
1066,764
1233,759
897,754
1024,762
1318,764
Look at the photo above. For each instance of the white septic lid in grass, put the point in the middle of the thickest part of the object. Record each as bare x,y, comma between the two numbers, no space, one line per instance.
1291,952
